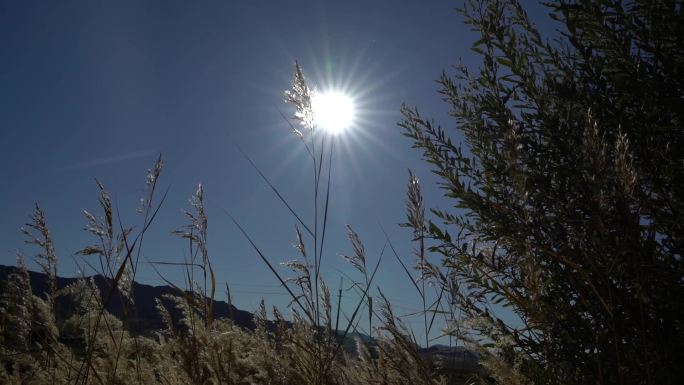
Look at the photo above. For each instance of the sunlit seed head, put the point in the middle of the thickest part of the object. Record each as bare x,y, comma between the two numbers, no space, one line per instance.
333,111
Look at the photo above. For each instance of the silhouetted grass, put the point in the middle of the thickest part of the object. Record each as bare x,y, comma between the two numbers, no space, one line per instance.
88,345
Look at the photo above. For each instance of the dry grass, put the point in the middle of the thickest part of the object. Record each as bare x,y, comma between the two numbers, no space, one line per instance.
90,346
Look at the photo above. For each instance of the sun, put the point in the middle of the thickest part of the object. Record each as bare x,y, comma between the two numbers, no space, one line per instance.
333,111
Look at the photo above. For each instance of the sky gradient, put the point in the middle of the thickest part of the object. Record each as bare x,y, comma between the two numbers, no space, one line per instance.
97,89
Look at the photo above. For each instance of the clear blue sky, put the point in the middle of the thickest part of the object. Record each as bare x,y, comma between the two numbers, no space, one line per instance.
95,89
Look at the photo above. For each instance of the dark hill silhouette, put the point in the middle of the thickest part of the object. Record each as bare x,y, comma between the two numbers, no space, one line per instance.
142,317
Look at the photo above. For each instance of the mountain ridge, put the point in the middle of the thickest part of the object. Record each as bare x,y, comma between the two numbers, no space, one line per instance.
144,318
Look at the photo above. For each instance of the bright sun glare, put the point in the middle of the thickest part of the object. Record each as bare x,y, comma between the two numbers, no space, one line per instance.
333,111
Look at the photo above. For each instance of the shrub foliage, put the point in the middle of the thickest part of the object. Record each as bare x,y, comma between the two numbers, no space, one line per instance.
566,173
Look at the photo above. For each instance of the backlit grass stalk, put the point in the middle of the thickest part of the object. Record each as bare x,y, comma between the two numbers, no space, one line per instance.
314,297
116,255
38,234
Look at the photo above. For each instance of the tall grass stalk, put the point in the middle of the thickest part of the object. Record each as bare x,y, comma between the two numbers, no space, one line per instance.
313,298
116,255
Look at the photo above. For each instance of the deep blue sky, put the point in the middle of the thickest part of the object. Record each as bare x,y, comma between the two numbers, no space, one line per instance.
96,89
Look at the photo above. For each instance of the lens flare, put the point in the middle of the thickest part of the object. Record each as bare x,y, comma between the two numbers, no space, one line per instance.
333,111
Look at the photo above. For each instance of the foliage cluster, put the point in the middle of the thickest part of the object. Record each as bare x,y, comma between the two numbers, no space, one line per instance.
567,191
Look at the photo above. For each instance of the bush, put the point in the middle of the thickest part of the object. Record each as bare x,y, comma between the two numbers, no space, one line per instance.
567,191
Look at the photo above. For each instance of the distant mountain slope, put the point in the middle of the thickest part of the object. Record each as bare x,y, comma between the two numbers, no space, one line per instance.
144,318
141,318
